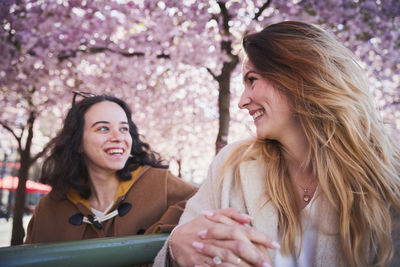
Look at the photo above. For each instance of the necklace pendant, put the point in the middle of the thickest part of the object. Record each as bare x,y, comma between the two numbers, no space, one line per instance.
306,198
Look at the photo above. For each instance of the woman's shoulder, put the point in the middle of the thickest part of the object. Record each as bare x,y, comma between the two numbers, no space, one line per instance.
149,172
51,198
231,149
161,180
48,203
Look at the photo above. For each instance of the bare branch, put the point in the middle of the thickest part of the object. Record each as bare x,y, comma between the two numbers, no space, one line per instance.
212,74
41,153
65,54
8,128
261,9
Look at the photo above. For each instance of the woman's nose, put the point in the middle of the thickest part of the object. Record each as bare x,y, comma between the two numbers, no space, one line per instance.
244,100
116,135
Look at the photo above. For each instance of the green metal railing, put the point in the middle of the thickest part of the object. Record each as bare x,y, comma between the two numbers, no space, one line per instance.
120,251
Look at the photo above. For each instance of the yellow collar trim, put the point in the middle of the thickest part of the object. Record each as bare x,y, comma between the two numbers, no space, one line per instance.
123,188
73,195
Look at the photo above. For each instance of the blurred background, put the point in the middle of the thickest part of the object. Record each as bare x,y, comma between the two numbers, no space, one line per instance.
177,64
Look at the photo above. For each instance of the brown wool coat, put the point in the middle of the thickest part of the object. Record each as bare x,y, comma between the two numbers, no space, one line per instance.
157,198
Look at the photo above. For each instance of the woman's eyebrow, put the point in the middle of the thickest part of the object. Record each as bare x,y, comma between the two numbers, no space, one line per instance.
99,122
107,122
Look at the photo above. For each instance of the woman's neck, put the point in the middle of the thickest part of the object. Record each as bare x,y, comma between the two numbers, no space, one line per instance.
103,189
296,149
301,173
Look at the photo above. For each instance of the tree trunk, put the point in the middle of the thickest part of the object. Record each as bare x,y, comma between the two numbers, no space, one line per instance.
224,100
18,231
224,78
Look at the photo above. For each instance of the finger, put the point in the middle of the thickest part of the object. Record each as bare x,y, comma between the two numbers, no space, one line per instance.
231,213
245,251
180,244
219,255
238,232
218,217
197,259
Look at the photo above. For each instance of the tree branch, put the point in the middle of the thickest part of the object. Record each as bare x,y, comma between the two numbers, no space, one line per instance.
8,128
65,54
261,9
212,74
225,16
41,153
226,45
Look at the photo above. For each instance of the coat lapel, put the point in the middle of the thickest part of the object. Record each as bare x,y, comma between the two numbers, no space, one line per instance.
252,177
328,240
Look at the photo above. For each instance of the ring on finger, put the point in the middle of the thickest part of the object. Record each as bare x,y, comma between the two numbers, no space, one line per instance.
217,260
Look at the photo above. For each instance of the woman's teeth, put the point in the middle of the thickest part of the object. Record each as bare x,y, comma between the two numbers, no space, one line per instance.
257,114
115,151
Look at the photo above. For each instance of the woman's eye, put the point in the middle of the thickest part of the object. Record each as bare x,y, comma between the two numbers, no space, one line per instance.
251,79
103,128
124,129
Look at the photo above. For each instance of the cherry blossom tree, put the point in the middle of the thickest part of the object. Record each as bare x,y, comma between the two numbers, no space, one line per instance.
175,62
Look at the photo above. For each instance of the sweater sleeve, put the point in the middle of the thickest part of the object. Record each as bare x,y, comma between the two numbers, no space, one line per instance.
213,193
202,200
207,198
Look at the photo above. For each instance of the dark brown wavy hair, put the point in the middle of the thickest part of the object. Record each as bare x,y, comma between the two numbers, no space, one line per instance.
65,168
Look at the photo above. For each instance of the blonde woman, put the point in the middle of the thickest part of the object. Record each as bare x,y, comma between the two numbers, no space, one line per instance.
317,186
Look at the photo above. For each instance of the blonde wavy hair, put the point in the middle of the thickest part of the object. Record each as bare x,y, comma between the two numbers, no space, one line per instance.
356,163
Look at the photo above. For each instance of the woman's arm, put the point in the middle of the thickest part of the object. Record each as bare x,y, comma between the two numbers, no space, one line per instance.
177,192
185,240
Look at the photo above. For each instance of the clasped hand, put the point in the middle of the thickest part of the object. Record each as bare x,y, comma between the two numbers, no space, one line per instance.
222,237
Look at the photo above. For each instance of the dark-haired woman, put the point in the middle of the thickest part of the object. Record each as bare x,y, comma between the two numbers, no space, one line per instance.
106,181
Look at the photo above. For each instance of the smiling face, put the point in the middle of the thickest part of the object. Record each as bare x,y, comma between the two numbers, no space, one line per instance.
106,141
269,108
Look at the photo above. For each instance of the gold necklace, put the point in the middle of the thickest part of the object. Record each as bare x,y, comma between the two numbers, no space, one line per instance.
307,195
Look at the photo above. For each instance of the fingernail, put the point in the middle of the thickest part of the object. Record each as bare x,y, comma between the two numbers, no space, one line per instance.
266,264
202,233
197,265
246,216
198,245
207,213
275,245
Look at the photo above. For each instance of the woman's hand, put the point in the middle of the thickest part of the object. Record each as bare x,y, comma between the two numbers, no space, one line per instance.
249,245
221,237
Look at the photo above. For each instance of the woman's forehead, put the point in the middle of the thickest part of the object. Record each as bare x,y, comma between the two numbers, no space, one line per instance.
105,110
247,66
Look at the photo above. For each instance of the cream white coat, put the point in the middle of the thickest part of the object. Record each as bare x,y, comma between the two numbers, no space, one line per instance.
251,199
